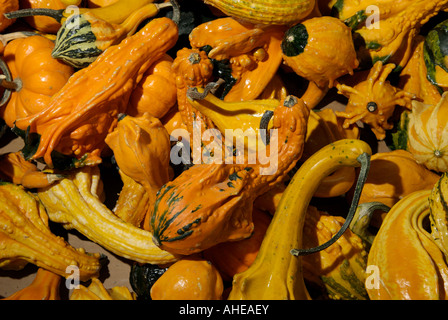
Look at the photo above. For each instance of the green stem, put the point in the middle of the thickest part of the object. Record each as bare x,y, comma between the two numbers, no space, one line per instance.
364,160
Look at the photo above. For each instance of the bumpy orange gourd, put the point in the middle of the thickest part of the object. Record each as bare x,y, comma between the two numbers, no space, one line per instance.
189,279
373,100
427,131
156,92
234,257
76,121
36,74
253,52
7,6
45,286
185,223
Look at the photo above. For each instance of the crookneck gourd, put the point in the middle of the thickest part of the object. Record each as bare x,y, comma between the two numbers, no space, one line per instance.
385,32
36,77
277,272
250,52
79,47
373,100
339,269
212,202
424,274
287,12
189,278
74,202
45,286
427,129
26,238
76,121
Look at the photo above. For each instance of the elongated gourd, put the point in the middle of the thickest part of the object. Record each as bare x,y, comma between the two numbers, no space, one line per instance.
276,273
74,203
282,12
26,238
407,263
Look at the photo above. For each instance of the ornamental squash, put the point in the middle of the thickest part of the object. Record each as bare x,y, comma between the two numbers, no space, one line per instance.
284,12
277,271
189,279
373,101
143,276
320,50
97,291
424,274
251,52
341,267
394,175
80,46
41,23
156,92
45,286
36,75
26,238
233,257
182,222
427,131
437,209
76,121
414,76
14,168
7,6
74,202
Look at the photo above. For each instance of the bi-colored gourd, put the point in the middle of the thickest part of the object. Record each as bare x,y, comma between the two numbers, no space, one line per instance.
26,238
414,76
80,46
36,77
427,129
424,273
434,56
76,121
320,50
97,291
285,12
74,202
45,286
373,100
276,272
212,203
189,279
340,269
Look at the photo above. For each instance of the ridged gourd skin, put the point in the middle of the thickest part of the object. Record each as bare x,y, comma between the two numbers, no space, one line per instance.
403,237
276,273
280,12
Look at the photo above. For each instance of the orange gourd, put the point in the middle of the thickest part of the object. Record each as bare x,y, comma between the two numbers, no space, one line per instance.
189,279
7,6
156,92
76,121
36,75
42,23
45,286
234,257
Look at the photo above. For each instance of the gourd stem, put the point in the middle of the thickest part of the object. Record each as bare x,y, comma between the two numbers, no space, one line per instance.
264,122
30,12
364,160
5,77
176,12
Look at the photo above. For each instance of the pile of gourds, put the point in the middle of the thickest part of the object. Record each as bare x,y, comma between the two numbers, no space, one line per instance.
130,84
